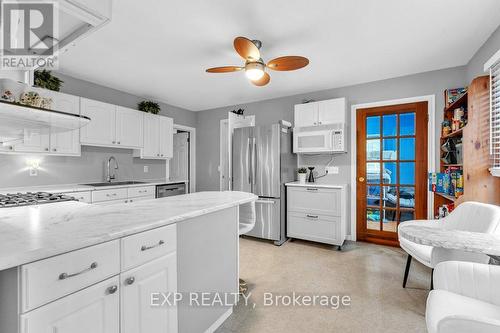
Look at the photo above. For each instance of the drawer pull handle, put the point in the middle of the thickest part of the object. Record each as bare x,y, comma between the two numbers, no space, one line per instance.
267,202
112,289
312,189
64,276
145,248
130,280
312,216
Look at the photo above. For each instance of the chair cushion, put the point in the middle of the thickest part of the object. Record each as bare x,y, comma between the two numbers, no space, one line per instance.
420,252
443,304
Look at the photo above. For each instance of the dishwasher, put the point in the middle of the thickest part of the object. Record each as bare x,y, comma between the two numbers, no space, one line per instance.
168,190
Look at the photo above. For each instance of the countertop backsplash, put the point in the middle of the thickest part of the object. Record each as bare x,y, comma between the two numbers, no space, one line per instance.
90,167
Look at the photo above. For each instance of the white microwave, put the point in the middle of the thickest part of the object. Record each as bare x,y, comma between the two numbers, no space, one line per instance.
318,141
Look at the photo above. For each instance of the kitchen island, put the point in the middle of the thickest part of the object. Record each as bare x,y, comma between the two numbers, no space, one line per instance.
56,257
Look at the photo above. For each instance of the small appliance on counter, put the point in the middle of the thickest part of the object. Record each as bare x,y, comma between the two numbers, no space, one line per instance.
311,175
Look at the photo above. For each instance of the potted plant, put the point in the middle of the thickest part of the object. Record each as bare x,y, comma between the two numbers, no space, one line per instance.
44,79
149,106
302,175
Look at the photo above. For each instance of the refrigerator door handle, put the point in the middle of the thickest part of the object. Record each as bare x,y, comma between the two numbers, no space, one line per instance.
267,202
249,163
254,162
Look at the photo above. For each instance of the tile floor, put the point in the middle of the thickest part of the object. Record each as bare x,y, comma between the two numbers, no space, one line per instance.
370,274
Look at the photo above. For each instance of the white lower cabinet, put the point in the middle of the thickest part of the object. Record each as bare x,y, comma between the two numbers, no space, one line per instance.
137,286
317,214
95,309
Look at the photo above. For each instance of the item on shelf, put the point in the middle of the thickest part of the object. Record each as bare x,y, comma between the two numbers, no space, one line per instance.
8,96
459,113
449,158
32,98
439,182
238,112
445,127
456,188
302,175
10,90
445,210
44,79
456,125
449,145
149,107
459,153
451,95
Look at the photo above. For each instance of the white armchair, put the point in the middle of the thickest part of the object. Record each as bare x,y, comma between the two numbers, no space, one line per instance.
466,298
469,216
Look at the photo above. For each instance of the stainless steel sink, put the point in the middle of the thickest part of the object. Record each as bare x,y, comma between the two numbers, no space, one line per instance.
130,182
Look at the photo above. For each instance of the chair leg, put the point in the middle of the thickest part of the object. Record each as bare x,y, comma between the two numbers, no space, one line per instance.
407,270
432,279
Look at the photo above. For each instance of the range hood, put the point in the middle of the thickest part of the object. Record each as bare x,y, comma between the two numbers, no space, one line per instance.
18,120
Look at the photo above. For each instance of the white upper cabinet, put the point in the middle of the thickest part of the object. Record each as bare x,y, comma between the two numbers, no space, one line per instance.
65,143
166,137
36,141
129,127
101,129
326,112
158,137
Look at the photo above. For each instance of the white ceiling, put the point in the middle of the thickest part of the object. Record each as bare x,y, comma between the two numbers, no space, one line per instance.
160,49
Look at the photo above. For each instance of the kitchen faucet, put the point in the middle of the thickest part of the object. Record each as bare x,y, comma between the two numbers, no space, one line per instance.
110,177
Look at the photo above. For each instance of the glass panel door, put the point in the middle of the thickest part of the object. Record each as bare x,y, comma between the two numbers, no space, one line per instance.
391,169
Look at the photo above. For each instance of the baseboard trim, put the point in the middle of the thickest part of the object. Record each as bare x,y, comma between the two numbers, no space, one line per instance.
220,321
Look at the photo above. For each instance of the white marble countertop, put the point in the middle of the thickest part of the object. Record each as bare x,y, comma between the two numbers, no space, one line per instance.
452,239
32,233
316,184
65,188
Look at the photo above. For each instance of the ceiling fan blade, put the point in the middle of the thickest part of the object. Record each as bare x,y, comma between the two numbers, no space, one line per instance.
224,69
246,49
263,80
288,63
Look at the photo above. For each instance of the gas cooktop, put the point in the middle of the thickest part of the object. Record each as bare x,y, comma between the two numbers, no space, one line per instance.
32,198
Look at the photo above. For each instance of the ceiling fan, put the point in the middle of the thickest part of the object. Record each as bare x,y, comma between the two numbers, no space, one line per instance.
255,68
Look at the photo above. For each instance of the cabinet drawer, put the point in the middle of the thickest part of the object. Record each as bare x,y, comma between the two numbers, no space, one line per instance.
95,309
106,195
81,196
46,280
143,191
145,246
314,227
314,199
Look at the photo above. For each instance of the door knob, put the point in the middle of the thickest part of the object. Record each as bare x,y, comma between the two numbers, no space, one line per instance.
361,179
130,280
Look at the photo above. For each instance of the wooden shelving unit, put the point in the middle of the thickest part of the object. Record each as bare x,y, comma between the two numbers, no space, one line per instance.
440,198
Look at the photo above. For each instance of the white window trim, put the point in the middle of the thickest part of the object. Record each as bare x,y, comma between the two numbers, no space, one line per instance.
494,60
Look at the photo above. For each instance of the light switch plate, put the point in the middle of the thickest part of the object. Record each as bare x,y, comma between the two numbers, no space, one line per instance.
146,169
332,170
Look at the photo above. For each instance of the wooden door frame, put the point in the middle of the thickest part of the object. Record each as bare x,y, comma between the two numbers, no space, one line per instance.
431,148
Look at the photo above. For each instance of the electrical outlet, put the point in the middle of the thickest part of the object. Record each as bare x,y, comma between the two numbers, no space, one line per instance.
146,169
332,170
33,172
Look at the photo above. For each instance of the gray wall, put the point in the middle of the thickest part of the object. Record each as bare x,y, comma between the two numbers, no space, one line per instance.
90,166
488,49
271,111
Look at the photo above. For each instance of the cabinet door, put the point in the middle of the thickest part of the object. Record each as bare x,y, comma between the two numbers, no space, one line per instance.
101,129
331,111
138,314
151,136
95,309
129,127
65,143
35,141
306,114
166,137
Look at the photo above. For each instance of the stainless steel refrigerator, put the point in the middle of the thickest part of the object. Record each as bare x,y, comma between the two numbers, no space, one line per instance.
262,162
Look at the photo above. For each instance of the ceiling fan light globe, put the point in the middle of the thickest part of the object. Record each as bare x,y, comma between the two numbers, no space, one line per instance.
254,71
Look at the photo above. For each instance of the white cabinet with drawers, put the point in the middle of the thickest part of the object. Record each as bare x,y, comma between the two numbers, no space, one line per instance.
122,195
317,213
104,288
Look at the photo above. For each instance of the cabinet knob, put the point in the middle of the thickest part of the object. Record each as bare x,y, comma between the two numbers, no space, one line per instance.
46,149
114,142
10,147
157,154
112,289
361,179
319,122
118,142
130,280
54,149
